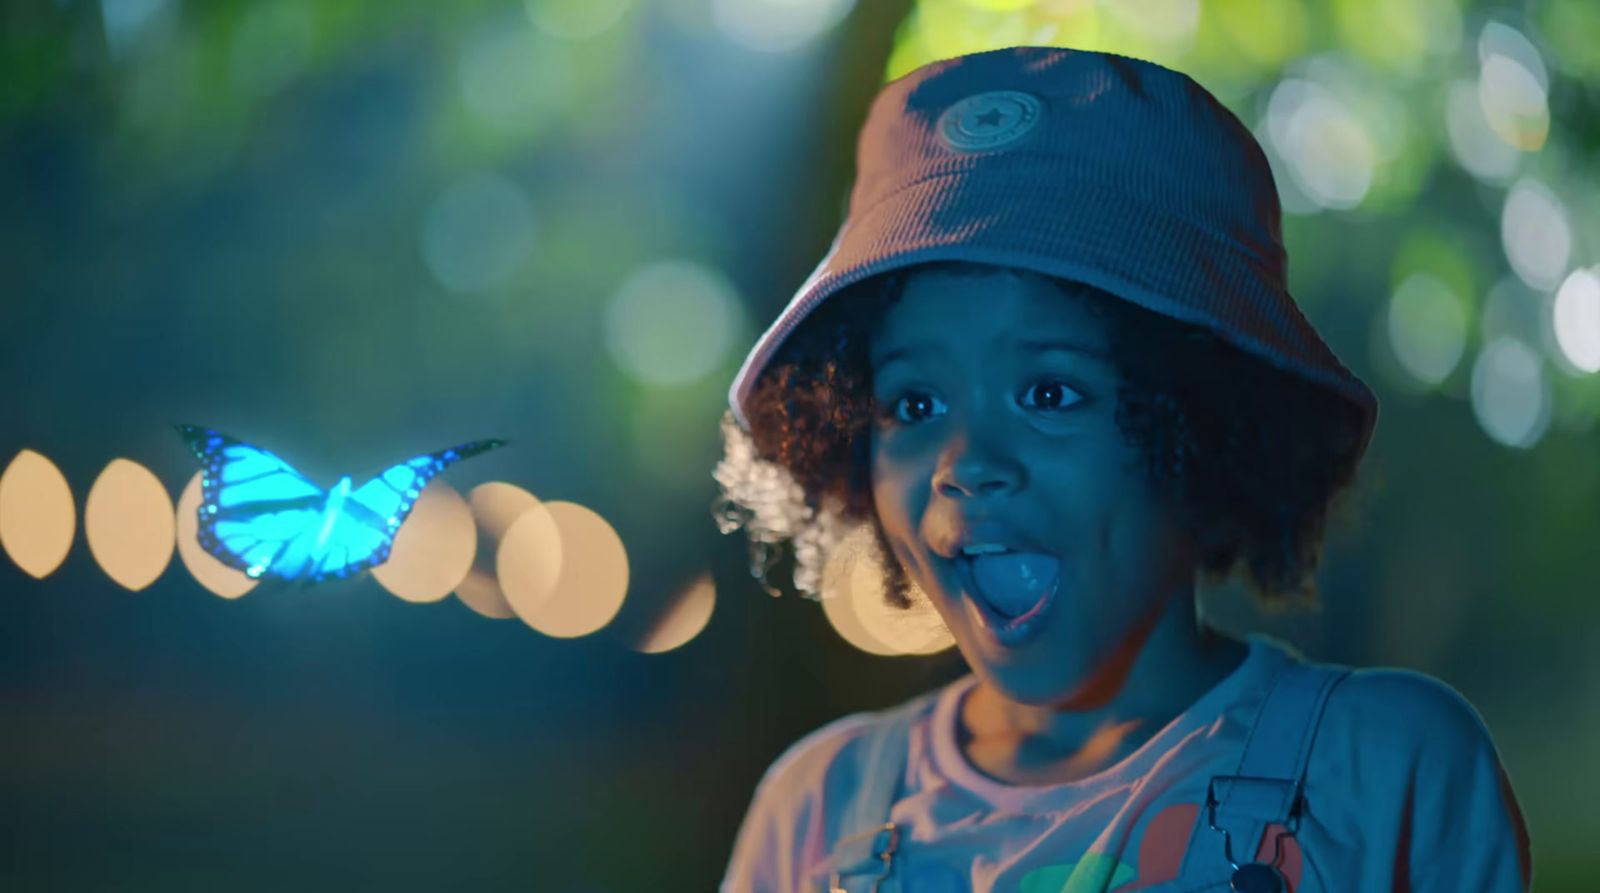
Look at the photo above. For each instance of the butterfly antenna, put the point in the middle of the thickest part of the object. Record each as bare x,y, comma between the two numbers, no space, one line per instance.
470,449
192,436
483,446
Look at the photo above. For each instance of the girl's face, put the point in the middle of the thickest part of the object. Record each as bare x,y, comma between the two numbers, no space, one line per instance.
996,427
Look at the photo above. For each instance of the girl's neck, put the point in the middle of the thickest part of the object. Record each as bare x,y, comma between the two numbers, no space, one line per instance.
1095,728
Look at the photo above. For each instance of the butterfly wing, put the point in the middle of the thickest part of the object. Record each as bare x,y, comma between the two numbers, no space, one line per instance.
363,532
257,514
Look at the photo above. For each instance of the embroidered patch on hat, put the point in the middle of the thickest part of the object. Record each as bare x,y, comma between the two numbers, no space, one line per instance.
988,120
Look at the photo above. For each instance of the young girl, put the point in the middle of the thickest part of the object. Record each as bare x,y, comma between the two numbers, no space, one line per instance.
1051,367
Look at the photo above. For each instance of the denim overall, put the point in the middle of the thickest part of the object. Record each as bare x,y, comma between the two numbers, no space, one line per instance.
1266,788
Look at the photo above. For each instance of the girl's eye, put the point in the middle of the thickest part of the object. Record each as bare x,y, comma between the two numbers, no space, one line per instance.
1051,394
914,406
917,406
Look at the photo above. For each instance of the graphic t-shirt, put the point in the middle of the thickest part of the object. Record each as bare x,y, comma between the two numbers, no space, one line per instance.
1404,791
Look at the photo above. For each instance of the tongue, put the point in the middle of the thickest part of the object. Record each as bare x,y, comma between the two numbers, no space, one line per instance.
1013,582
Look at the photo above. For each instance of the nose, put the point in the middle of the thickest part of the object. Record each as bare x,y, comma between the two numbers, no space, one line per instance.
976,464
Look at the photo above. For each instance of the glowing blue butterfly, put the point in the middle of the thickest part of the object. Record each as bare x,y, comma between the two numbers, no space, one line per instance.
259,515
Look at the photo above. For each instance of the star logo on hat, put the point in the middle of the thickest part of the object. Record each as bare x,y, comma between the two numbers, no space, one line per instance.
991,118
987,121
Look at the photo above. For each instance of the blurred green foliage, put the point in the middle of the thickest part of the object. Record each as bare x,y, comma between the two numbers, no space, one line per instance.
218,211
1349,98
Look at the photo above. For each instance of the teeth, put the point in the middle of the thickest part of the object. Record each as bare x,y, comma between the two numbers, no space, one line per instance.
985,549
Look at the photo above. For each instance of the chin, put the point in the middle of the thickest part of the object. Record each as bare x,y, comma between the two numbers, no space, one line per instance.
1040,685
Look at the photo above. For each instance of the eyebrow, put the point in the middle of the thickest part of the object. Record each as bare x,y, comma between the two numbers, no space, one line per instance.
1031,345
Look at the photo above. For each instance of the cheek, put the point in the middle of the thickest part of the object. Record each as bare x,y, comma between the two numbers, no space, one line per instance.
1102,503
900,497
891,498
887,476
1143,544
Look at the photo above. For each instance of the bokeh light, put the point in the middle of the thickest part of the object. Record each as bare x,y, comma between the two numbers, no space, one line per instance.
128,23
1513,309
1165,22
1427,326
433,549
918,630
284,185
853,600
37,517
576,19
777,25
689,612
529,559
1513,87
1445,251
839,606
495,506
512,79
1576,319
1291,196
129,522
1473,143
478,233
1266,34
939,30
216,577
1327,147
1001,5
1510,394
1400,38
672,322
1535,233
296,189
592,581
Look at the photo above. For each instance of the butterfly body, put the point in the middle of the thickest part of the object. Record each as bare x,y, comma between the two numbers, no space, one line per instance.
259,515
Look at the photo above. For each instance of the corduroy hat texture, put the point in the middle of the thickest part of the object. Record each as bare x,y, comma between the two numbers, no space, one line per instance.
1085,166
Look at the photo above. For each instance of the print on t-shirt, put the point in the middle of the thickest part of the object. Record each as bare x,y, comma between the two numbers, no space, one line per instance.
1160,857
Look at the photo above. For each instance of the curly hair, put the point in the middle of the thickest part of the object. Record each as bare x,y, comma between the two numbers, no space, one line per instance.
1254,456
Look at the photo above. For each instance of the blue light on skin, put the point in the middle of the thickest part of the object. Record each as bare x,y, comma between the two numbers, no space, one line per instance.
975,425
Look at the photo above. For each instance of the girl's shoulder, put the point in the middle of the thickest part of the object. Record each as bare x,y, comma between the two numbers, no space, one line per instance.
1413,761
799,804
1390,709
825,759
1401,711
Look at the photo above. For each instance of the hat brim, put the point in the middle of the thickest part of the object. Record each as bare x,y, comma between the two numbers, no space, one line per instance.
1153,258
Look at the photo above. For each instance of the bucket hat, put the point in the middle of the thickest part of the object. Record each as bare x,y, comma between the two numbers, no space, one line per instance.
1086,166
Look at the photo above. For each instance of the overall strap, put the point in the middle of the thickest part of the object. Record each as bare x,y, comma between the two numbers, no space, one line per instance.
862,856
1266,788
1268,785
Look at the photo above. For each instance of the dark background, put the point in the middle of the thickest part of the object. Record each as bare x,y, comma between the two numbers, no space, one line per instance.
219,213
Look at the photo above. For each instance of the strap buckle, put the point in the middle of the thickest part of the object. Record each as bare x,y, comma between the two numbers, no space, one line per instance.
1254,876
885,843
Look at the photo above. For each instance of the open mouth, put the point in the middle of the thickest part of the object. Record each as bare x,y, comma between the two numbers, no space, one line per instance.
1010,592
